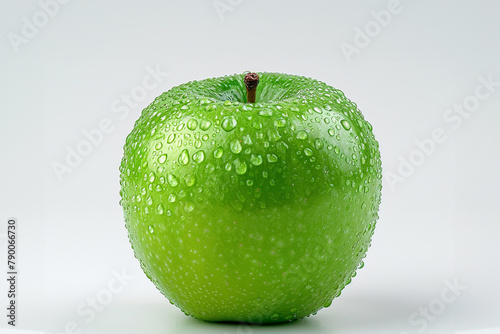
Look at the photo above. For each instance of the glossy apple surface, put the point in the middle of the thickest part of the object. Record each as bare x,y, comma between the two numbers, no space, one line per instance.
252,212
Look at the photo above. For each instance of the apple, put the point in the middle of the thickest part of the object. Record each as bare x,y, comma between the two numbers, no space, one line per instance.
251,197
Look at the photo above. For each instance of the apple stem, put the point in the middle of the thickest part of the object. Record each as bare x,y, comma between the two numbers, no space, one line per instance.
251,82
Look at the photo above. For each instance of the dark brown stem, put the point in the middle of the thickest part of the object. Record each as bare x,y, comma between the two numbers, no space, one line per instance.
251,82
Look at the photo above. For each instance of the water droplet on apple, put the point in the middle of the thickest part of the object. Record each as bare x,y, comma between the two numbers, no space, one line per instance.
151,229
331,132
275,316
158,145
218,153
190,180
159,209
327,304
240,197
318,110
272,158
172,180
171,138
229,123
235,146
266,112
302,135
210,107
256,159
189,206
280,122
257,125
336,150
345,124
249,183
205,124
274,135
318,143
184,157
149,200
171,198
152,177
192,124
247,141
308,152
162,158
240,167
199,156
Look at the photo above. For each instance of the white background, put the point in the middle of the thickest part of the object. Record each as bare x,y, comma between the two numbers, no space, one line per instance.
65,73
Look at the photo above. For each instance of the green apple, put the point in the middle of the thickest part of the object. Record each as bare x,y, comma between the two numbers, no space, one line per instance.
251,203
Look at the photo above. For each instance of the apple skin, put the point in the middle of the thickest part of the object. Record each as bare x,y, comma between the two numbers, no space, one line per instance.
257,213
